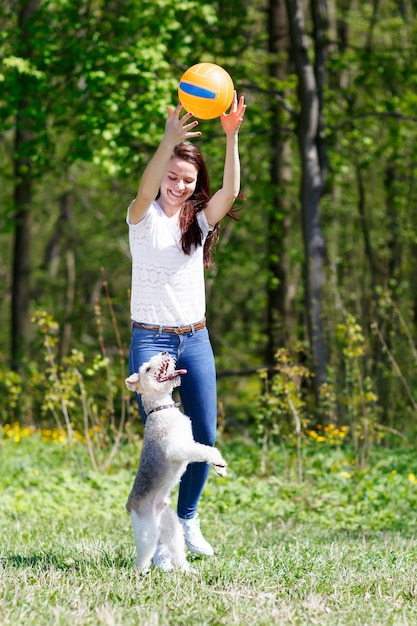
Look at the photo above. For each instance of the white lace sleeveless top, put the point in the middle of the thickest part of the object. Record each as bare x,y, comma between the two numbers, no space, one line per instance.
167,285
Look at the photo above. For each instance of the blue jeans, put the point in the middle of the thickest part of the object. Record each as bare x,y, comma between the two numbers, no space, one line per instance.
194,353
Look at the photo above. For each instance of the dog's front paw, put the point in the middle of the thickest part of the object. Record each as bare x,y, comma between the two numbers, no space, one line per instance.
221,470
218,462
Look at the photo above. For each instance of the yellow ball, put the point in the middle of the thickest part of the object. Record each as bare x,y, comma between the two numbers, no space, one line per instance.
206,90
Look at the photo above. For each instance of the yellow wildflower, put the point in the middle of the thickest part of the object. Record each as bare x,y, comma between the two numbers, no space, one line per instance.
345,474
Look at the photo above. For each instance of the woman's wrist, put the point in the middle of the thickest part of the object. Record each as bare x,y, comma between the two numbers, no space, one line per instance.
167,144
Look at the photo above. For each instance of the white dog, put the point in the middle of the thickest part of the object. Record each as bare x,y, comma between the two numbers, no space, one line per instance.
168,447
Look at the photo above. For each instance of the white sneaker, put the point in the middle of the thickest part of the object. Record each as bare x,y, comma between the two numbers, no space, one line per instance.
194,539
161,558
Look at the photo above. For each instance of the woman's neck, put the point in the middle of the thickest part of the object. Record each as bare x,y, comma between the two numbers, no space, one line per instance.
172,212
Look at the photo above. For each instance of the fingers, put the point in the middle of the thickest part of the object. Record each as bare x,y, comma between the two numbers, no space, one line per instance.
241,106
176,112
185,119
189,127
238,107
171,112
183,126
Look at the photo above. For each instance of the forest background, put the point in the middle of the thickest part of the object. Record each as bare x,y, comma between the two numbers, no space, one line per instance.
312,304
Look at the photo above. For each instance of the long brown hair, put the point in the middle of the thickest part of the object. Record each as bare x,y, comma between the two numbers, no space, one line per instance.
191,235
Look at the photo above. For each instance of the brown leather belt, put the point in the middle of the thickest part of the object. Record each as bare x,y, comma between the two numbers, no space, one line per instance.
178,330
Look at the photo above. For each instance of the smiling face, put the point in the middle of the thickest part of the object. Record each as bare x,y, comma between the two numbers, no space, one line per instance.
177,185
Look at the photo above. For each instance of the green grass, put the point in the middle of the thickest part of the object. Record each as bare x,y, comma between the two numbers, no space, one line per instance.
338,549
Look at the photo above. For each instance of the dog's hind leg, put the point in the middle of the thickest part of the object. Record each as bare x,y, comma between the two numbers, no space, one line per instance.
172,536
146,531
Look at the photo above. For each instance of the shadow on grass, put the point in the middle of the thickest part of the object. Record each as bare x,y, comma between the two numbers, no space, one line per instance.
67,563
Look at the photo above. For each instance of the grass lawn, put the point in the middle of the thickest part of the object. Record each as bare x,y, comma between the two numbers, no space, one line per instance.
338,549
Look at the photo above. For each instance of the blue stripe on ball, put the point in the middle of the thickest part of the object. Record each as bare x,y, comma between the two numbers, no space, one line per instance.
193,90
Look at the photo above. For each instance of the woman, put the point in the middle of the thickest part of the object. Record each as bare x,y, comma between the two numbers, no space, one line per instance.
172,228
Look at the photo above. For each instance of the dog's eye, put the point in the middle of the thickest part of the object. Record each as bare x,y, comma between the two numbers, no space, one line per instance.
148,369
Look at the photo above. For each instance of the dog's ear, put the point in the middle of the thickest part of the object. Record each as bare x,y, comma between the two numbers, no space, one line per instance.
133,383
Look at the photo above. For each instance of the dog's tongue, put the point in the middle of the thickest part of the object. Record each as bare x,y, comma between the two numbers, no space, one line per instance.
173,375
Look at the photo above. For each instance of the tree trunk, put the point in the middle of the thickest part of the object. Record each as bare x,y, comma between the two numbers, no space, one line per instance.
21,256
23,200
311,187
278,223
59,250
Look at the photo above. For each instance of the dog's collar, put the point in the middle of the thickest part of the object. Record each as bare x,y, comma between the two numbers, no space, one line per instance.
164,406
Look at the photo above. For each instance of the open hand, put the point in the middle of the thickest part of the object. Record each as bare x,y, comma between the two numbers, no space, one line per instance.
231,121
178,128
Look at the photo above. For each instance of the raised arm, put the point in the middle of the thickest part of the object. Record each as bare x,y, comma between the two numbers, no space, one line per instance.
176,130
223,199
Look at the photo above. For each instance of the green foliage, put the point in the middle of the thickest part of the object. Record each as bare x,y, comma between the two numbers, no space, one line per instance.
94,92
98,77
83,399
282,408
358,398
346,408
11,386
287,384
